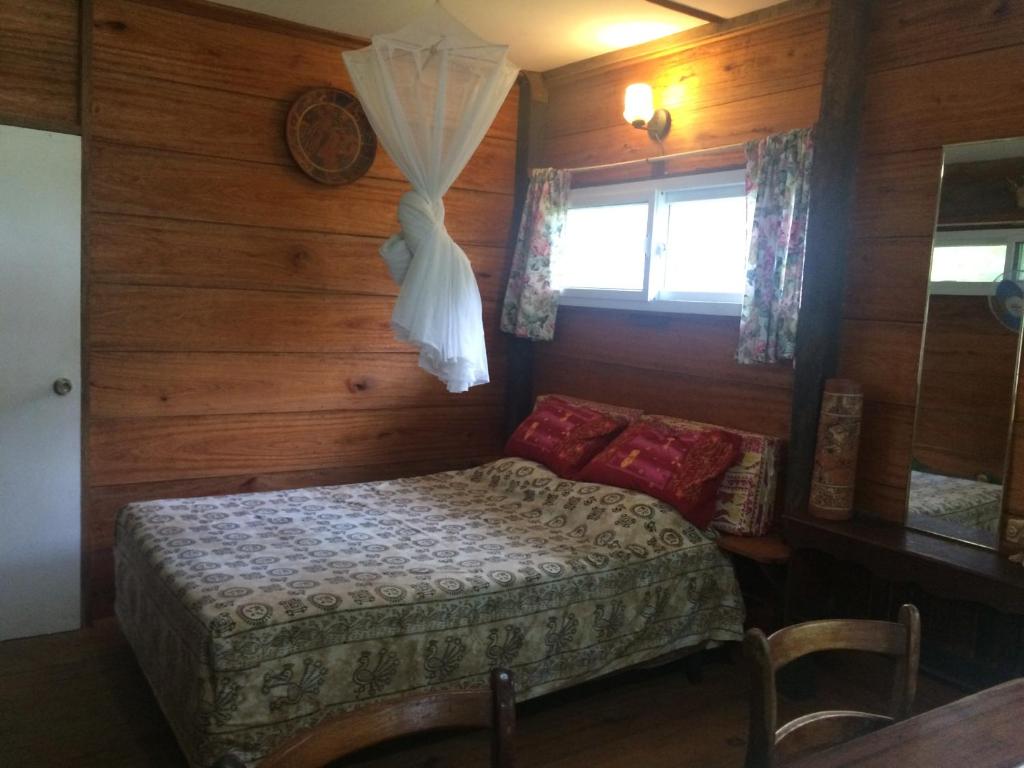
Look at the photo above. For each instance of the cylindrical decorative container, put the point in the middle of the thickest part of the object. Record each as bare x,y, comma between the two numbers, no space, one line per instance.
835,457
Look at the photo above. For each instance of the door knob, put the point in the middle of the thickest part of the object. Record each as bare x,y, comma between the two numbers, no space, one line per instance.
62,386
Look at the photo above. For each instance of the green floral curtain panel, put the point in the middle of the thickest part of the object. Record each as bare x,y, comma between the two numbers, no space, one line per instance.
778,201
530,302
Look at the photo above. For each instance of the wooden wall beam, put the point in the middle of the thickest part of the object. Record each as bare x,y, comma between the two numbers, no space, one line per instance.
832,176
532,122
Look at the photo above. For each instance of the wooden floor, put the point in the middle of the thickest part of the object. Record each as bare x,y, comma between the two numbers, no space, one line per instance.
78,699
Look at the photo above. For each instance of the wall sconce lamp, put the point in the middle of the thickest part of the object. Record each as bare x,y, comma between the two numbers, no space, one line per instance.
640,111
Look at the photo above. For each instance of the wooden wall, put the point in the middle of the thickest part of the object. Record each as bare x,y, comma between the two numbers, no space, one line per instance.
939,72
741,84
238,313
967,376
39,64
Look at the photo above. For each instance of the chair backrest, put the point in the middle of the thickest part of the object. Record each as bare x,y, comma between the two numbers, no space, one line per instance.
350,732
765,656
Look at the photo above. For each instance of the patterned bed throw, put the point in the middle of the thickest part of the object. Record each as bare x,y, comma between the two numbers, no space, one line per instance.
970,503
258,614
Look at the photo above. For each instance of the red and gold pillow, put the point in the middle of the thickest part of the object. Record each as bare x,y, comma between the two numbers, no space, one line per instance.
682,467
746,498
562,435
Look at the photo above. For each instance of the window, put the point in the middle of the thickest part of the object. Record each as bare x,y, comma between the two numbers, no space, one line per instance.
968,262
669,245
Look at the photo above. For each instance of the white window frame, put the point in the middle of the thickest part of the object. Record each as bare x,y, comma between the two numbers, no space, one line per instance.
656,193
1010,238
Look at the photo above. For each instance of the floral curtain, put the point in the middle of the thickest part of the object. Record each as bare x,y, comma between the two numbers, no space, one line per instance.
778,201
530,300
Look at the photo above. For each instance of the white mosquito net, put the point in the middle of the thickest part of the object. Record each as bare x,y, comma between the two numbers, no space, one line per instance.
431,91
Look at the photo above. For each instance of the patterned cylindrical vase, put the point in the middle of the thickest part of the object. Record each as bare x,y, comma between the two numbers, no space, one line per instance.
835,457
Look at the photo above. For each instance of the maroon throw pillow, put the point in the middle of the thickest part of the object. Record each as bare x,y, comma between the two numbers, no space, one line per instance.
563,436
682,467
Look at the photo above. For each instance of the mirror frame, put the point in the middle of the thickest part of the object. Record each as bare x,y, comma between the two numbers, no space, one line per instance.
999,544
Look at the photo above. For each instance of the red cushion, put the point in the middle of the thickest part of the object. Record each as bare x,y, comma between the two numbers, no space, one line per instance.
563,436
682,467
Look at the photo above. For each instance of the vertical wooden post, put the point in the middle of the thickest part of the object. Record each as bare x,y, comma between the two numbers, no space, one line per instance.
529,138
835,154
85,20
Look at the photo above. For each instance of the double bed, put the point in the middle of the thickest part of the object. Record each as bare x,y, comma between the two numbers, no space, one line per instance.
256,615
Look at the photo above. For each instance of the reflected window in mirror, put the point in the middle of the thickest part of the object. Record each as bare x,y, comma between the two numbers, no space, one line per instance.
971,344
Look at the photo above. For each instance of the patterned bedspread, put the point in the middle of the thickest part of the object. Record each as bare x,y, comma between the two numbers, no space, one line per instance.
969,503
255,615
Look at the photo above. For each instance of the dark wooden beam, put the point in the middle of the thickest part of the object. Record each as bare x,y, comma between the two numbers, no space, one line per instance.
835,156
689,10
529,139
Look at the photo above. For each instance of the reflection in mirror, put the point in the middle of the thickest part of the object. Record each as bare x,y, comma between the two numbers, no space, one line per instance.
970,352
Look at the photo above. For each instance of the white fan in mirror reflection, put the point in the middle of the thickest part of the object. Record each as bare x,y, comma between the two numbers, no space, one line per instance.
1007,303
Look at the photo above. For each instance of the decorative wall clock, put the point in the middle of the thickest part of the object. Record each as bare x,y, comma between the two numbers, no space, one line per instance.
329,136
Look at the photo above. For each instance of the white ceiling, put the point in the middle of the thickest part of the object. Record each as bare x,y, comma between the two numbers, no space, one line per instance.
541,34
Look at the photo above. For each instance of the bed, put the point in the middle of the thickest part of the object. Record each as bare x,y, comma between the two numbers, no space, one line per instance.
256,615
967,503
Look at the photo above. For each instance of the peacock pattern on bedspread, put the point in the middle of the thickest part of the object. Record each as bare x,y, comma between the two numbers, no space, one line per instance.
255,615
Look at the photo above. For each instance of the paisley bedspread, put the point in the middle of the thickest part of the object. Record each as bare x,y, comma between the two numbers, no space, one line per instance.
255,615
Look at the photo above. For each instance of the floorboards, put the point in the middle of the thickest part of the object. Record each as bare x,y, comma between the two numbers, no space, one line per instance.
80,699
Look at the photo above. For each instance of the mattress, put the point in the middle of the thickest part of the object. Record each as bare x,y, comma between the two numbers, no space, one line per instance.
968,503
259,614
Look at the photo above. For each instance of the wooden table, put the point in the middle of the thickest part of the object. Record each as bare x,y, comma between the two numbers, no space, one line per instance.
985,730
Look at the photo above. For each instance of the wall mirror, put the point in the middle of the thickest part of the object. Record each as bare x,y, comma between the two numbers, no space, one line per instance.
971,346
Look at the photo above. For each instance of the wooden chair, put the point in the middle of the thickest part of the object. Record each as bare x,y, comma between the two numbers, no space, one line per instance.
767,743
350,732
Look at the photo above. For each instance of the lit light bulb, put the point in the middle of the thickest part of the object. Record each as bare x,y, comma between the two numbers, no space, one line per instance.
639,104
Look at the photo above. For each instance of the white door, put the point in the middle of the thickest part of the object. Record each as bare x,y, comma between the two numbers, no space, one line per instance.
40,454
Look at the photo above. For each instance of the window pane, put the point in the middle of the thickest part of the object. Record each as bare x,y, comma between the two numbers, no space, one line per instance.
706,248
604,248
968,263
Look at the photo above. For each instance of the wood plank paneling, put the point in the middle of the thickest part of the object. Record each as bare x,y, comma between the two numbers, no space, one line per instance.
138,384
885,446
908,32
239,330
901,296
719,72
967,376
897,194
39,64
128,110
712,126
712,400
174,448
145,318
967,98
883,357
698,345
152,251
148,319
213,53
144,182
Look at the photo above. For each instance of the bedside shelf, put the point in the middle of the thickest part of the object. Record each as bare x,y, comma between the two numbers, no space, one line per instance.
952,569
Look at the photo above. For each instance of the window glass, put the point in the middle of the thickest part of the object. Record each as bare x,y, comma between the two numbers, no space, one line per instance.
968,263
706,245
604,248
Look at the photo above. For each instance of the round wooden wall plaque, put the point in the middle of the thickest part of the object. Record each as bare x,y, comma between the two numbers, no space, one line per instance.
330,137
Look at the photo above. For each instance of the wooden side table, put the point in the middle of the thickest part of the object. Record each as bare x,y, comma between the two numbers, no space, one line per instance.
761,565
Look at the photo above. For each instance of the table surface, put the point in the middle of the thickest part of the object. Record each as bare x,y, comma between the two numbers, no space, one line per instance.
984,730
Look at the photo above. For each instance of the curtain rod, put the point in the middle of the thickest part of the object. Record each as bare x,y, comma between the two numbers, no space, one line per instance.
655,159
